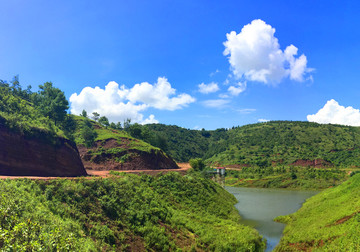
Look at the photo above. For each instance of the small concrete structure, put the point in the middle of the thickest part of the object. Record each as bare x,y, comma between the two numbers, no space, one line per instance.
220,170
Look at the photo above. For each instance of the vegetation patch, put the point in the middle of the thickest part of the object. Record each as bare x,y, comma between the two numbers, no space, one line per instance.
328,221
124,212
286,177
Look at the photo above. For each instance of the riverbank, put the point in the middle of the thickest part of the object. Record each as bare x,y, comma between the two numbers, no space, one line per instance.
328,221
258,207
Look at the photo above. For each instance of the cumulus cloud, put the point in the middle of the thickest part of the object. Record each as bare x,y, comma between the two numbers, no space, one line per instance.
208,88
239,88
149,120
255,54
119,103
217,103
334,113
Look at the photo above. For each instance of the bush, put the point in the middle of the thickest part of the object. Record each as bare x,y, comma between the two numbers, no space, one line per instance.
197,164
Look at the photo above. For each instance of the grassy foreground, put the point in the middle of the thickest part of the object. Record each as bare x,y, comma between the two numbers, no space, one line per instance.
122,213
328,221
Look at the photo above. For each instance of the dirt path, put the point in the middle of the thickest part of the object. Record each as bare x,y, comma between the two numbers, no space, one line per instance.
91,173
183,168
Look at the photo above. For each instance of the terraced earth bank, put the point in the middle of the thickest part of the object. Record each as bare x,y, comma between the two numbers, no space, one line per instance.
29,156
122,154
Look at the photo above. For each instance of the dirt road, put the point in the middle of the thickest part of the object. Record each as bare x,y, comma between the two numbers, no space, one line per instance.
183,167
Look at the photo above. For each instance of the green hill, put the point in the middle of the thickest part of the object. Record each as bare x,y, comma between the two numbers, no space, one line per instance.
284,142
122,213
116,149
266,144
22,116
183,144
328,221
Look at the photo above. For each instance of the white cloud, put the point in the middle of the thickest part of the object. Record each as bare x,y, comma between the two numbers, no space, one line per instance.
239,88
255,54
246,111
263,120
224,96
213,73
119,103
217,103
334,113
150,120
158,95
208,88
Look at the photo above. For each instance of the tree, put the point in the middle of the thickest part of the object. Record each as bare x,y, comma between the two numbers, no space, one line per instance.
96,116
84,113
135,131
104,121
52,102
88,133
127,124
197,164
69,126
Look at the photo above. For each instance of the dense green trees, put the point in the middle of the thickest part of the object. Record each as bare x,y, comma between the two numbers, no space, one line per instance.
197,164
51,102
87,133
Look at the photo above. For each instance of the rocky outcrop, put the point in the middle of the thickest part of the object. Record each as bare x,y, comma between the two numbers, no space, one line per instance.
22,155
115,156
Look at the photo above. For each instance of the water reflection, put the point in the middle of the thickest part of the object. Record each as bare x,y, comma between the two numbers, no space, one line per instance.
258,207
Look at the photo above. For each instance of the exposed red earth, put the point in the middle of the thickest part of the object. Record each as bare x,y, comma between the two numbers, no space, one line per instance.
38,156
138,160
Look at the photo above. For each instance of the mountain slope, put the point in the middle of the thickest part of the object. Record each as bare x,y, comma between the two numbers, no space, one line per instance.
297,143
273,143
328,221
31,144
116,150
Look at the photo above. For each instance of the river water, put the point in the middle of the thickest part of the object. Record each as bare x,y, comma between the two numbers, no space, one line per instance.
258,207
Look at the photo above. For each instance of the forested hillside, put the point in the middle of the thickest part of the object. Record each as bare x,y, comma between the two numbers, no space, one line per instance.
122,213
282,142
273,143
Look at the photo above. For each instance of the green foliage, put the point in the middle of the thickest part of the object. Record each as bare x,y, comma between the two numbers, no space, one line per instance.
328,221
284,142
184,144
20,115
96,116
84,113
285,177
104,121
197,164
162,213
51,102
262,145
88,133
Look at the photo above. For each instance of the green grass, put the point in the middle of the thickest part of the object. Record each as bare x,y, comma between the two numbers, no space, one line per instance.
328,221
162,213
20,116
122,137
286,177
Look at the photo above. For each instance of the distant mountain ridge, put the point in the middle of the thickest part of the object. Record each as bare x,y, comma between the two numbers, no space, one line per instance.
272,143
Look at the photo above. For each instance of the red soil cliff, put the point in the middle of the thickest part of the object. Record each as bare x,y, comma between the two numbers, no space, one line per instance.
31,156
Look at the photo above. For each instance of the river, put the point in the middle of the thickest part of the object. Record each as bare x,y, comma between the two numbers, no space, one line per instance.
258,207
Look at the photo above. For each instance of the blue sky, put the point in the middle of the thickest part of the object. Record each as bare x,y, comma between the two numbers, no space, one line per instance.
161,51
